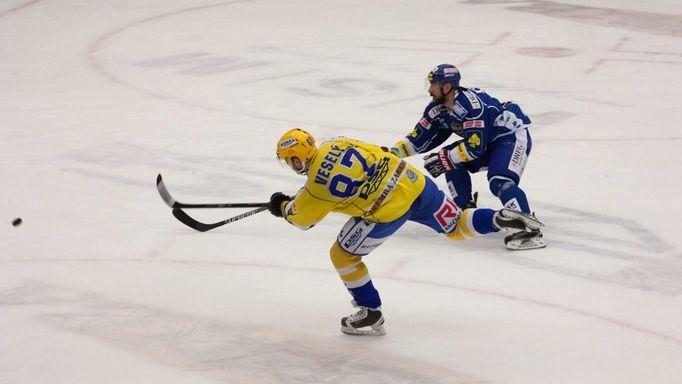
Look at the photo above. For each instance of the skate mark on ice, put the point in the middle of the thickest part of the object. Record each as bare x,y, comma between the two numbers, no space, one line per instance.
224,351
35,293
623,251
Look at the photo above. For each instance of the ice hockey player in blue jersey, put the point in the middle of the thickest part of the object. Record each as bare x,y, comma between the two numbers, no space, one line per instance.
494,137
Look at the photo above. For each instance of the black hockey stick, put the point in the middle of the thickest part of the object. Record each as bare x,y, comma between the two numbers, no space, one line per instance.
202,227
171,202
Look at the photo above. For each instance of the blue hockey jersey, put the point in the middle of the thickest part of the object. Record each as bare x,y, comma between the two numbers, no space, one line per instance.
475,116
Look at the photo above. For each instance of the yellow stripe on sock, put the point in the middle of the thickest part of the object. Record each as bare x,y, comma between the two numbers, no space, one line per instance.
464,229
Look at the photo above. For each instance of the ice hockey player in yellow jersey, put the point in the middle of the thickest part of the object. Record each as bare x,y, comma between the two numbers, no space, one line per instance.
380,192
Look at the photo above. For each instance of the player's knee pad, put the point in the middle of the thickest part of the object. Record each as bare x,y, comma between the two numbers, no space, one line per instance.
341,258
352,270
509,193
499,184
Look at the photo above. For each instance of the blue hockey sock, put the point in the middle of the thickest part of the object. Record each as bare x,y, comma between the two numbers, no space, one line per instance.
514,198
509,193
474,222
483,221
459,184
366,295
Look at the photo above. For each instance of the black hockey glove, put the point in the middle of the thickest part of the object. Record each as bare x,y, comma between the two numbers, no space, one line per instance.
276,201
437,163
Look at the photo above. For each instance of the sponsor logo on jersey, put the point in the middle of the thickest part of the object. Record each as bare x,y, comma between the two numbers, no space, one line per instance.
411,175
516,162
473,99
373,184
459,110
357,235
474,124
513,204
414,133
456,126
474,141
424,123
447,215
434,112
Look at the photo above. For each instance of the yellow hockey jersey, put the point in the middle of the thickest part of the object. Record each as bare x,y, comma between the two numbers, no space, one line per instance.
357,179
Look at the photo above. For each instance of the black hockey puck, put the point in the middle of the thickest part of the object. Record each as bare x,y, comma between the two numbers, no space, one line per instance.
17,222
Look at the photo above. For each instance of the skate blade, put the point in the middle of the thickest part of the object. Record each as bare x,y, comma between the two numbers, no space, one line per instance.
375,330
525,244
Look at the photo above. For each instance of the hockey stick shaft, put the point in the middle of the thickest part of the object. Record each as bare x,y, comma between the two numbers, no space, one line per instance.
203,227
171,202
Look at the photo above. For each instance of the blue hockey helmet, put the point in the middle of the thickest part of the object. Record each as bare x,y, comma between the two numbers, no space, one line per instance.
444,73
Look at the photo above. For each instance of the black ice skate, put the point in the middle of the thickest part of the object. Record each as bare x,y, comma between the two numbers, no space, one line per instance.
516,220
526,227
365,322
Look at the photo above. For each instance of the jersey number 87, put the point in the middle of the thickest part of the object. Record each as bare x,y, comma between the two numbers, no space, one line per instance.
344,186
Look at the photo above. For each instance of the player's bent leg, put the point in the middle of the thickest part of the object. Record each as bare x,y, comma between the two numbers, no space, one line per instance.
509,193
481,221
369,319
358,238
508,159
459,185
474,222
440,213
355,277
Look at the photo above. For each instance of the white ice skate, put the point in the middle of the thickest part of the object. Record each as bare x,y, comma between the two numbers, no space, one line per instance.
526,227
365,322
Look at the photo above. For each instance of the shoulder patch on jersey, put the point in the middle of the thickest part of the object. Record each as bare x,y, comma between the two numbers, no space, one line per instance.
473,99
434,111
459,110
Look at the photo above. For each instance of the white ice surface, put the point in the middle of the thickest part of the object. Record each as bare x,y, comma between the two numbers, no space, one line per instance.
102,285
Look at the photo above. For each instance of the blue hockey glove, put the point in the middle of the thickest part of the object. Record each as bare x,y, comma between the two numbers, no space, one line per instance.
277,200
437,163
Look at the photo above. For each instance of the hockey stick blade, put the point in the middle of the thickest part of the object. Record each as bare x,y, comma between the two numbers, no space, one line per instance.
202,227
171,202
163,191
